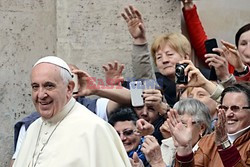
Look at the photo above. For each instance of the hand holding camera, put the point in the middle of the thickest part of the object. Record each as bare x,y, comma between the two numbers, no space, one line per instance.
188,75
181,77
86,84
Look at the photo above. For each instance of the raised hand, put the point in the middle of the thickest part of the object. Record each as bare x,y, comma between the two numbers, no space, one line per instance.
135,161
135,24
220,127
188,4
152,151
165,131
196,78
186,1
144,128
87,84
232,55
181,134
219,63
113,73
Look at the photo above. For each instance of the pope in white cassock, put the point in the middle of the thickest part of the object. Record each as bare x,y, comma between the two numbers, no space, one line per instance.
67,134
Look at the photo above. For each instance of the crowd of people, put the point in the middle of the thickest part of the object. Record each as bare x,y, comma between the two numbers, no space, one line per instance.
193,122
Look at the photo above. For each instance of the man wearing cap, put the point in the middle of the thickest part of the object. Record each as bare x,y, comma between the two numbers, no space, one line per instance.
67,134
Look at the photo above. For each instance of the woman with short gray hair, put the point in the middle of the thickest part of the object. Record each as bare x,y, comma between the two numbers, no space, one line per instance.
198,112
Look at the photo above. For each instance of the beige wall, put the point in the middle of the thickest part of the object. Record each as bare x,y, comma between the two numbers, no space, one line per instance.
221,19
87,33
27,31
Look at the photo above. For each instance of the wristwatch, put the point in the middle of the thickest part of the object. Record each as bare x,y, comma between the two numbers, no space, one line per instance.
244,72
224,145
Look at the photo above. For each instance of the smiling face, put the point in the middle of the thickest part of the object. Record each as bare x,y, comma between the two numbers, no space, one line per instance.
236,120
129,139
49,92
244,47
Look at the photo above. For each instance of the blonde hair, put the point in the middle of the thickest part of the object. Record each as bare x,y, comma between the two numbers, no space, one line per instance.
176,41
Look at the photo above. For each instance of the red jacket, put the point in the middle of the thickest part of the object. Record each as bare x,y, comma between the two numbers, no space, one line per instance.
197,34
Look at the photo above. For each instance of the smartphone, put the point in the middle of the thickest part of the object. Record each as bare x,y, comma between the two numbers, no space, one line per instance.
75,79
210,44
136,91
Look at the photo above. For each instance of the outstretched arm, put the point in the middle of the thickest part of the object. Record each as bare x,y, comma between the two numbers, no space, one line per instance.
118,95
195,29
140,54
135,24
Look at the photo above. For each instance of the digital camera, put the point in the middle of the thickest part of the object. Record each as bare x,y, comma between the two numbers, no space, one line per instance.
180,74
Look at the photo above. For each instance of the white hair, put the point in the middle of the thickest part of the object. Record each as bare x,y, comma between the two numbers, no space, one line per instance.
196,109
65,75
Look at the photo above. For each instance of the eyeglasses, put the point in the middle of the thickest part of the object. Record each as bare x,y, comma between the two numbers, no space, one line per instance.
185,123
233,108
127,132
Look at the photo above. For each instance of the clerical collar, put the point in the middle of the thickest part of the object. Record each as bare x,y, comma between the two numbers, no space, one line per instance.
60,115
234,136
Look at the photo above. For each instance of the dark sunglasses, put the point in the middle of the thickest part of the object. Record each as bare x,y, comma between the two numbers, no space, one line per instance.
126,132
233,108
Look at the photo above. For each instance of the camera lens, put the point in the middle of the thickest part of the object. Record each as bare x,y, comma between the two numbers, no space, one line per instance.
179,70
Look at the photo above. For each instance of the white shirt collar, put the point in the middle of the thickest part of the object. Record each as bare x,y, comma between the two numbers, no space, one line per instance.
234,136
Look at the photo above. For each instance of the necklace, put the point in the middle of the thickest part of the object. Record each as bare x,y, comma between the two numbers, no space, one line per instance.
33,163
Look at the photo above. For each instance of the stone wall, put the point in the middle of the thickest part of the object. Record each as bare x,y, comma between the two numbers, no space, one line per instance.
27,32
87,33
223,18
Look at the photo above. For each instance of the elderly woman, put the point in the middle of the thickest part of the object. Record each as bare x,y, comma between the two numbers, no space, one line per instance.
188,109
198,113
166,50
229,145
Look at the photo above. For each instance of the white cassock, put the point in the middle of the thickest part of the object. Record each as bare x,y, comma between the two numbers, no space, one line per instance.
75,137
